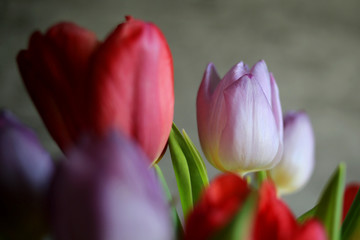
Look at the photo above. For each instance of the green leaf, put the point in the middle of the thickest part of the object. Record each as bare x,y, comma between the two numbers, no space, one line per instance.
182,173
196,157
351,225
241,225
175,217
307,215
196,166
329,208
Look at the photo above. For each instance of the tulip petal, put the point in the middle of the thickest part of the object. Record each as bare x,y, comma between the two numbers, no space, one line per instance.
312,229
207,87
297,163
250,139
274,219
132,85
234,74
25,165
349,195
209,82
261,74
107,191
54,71
26,172
276,105
216,207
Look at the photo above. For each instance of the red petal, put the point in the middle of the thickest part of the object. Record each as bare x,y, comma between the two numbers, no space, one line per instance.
217,206
311,230
132,85
349,196
274,220
54,70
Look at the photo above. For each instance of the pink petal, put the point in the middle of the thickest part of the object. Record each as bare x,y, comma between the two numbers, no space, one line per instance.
234,74
261,74
250,139
203,102
276,105
210,81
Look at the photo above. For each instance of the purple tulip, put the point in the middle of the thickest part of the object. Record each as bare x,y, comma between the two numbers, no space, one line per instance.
26,171
297,163
105,190
239,118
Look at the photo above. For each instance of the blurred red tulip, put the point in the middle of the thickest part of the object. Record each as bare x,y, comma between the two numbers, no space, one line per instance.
79,84
273,219
218,204
349,196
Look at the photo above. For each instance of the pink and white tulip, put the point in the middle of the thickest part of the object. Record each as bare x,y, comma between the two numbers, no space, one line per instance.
297,163
239,118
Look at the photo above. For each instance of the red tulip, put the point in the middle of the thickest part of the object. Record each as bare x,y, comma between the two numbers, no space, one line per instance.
273,219
218,204
349,196
79,84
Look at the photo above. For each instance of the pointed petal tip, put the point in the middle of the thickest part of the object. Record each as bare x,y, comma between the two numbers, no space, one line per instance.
210,80
129,18
210,66
260,64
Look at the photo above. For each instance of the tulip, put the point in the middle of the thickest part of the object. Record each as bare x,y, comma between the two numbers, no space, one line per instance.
105,190
272,219
218,204
297,163
79,84
239,118
26,171
349,196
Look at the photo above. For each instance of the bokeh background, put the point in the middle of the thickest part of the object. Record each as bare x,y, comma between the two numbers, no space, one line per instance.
312,47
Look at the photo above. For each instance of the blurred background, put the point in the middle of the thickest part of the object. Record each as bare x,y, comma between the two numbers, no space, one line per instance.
312,47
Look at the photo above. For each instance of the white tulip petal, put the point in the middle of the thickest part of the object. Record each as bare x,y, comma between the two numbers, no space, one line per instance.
297,163
261,74
234,74
276,105
250,139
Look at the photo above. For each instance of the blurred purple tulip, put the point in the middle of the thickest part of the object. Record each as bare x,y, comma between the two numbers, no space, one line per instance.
105,190
297,163
26,171
239,118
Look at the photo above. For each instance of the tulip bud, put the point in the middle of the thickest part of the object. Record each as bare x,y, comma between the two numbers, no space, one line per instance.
105,190
239,118
81,85
55,71
26,171
297,163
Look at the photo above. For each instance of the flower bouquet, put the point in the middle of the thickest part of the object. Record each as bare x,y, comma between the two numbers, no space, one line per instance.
109,106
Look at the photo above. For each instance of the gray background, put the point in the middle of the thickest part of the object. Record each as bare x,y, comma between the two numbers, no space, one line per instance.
312,47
